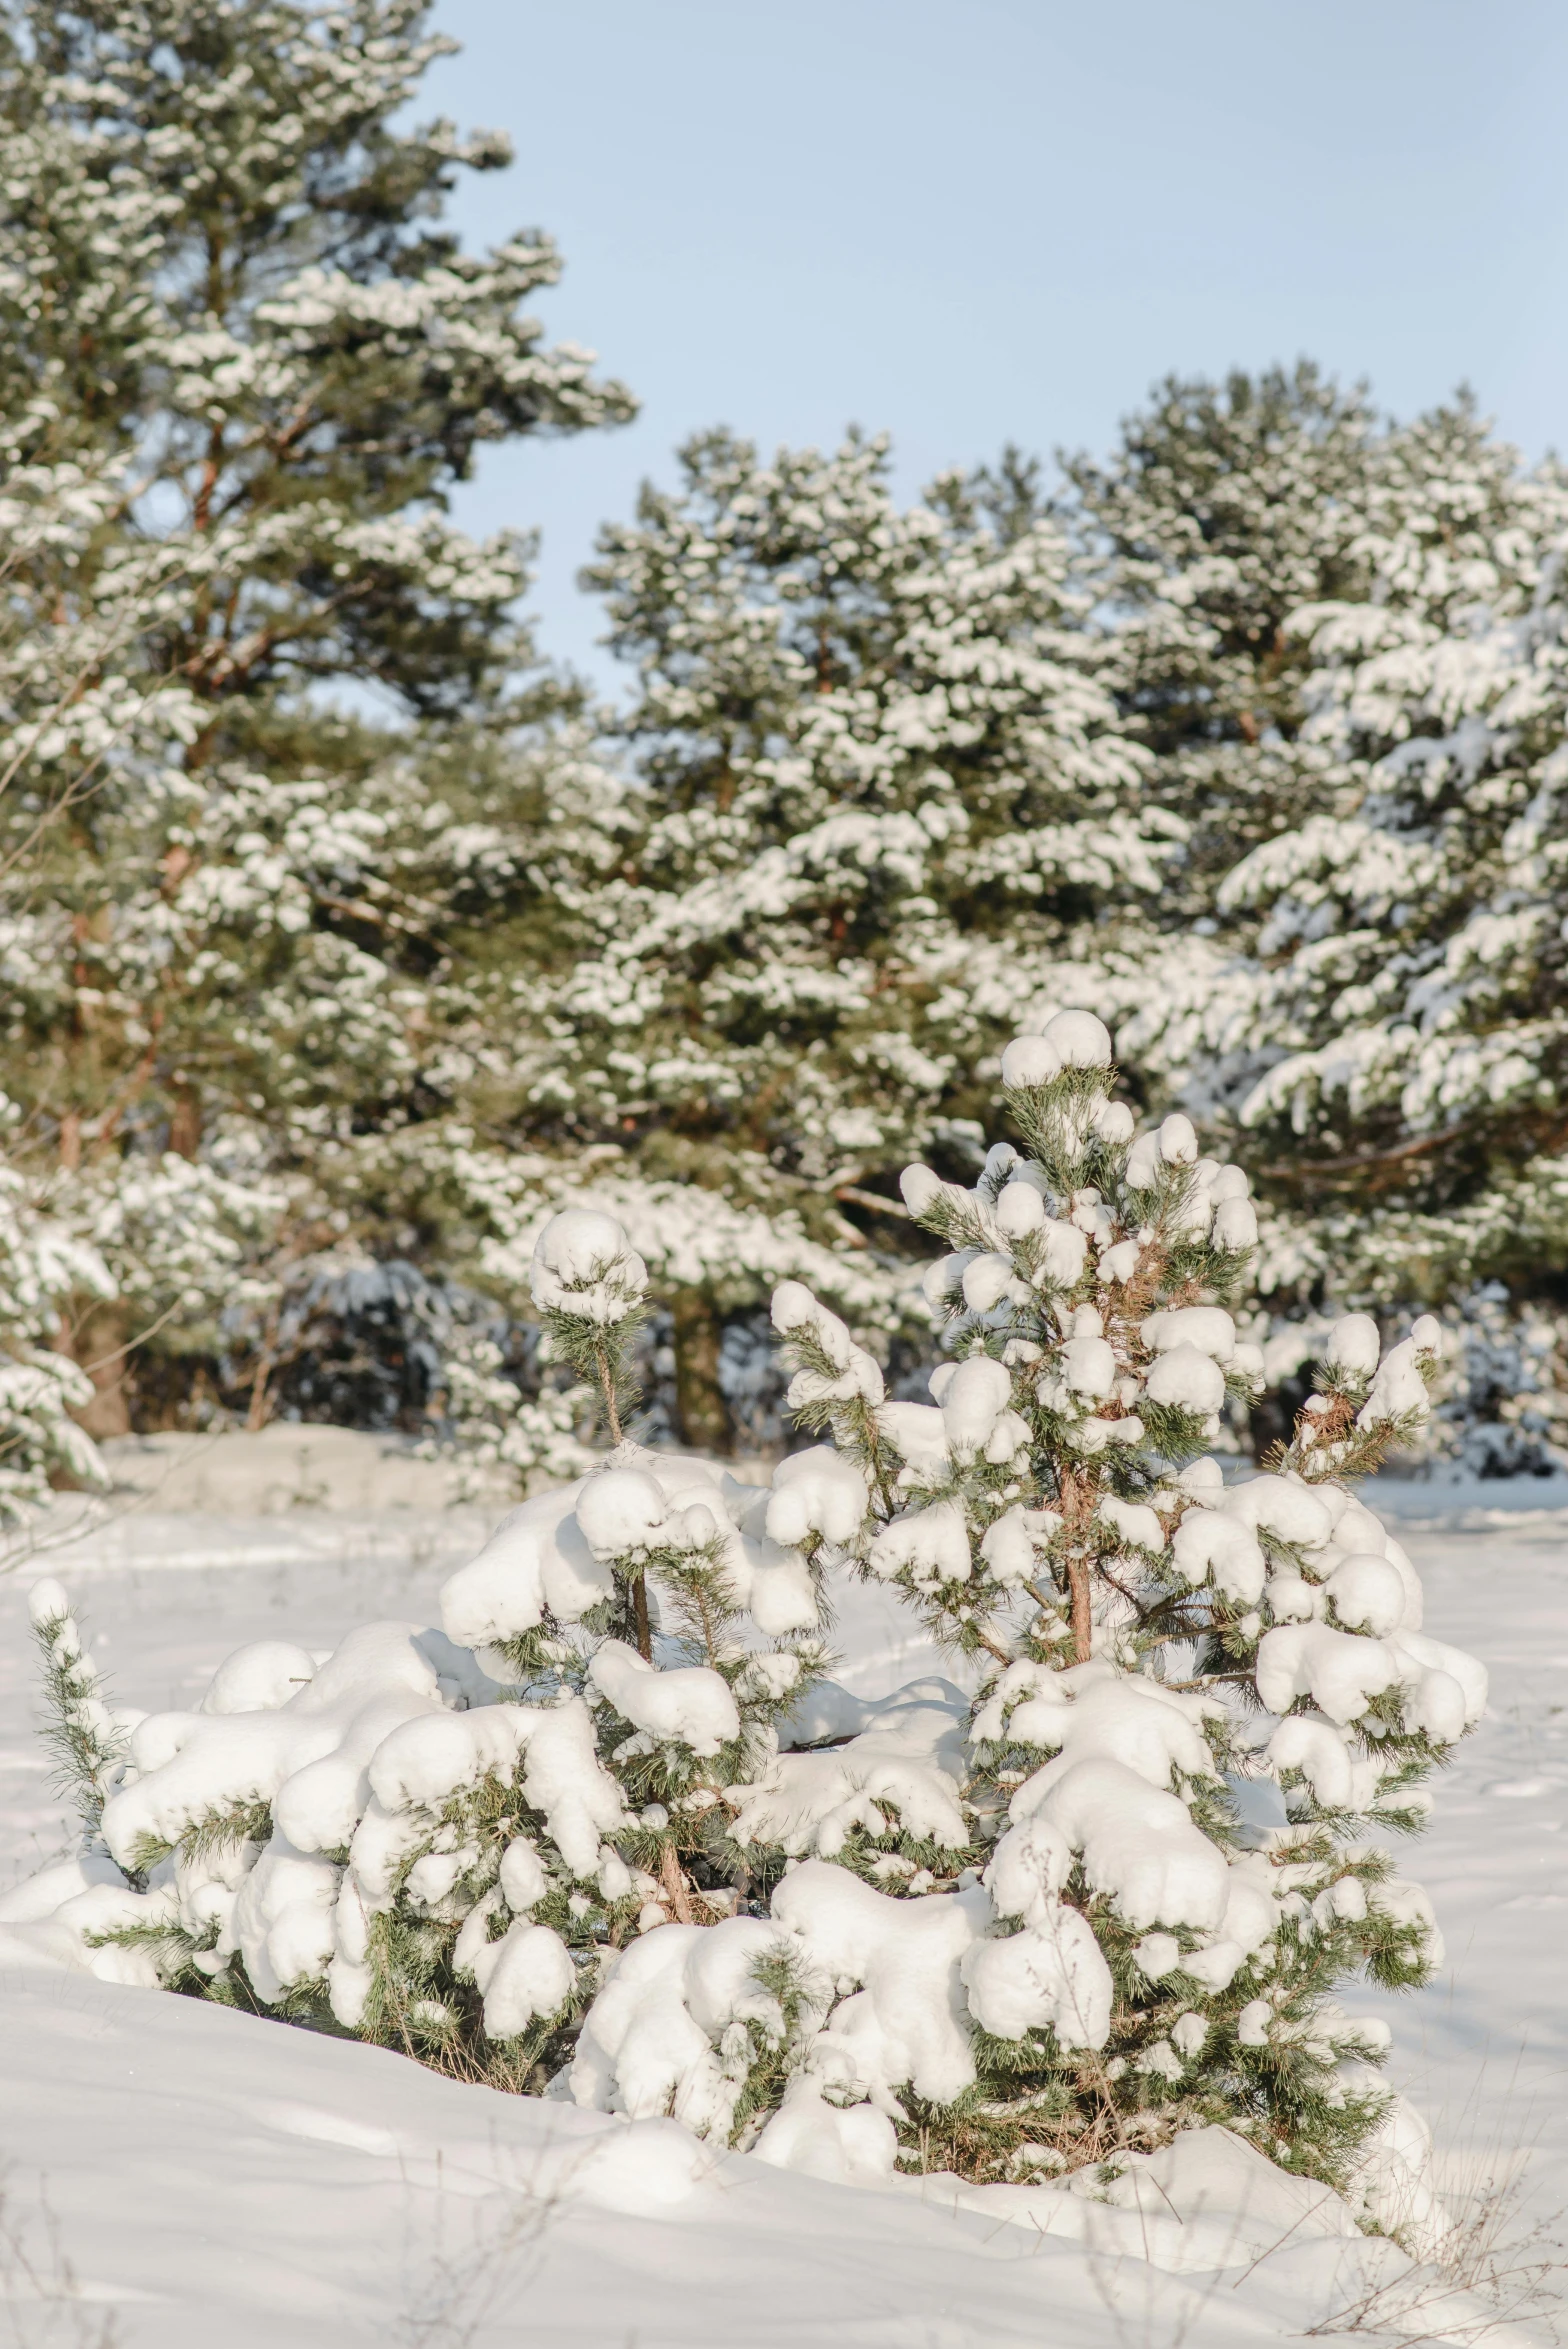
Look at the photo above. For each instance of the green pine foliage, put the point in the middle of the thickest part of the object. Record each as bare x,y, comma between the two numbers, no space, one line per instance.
248,925
79,1727
885,795
1342,642
473,1906
1223,509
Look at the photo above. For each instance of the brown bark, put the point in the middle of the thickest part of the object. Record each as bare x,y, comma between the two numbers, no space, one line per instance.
1083,1624
676,1895
641,1617
260,1410
704,1416
185,1123
96,1337
1077,1506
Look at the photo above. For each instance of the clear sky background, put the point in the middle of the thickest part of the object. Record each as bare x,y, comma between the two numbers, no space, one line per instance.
1006,219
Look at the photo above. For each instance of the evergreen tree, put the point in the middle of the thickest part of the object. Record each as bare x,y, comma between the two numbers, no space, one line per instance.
247,284
1193,1697
234,321
886,796
1225,512
1344,647
1384,1037
75,729
1224,508
1400,1027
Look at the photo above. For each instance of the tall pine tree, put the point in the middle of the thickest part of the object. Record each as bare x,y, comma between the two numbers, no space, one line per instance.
1344,640
1222,509
887,795
233,314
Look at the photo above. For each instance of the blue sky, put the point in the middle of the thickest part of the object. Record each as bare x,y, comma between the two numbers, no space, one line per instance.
1006,219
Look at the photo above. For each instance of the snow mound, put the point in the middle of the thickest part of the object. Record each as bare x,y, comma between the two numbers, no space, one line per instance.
201,2166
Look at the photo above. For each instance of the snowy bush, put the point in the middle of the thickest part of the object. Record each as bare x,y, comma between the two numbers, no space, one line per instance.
1194,1700
42,1263
611,1834
438,1838
1500,1408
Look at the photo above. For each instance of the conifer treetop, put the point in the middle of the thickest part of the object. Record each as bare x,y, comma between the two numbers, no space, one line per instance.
248,286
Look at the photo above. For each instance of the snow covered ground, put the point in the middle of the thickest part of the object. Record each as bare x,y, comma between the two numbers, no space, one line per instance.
173,2173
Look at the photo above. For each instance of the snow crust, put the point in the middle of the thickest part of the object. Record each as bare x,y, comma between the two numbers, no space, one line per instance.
905,2018
690,1703
904,1764
664,2031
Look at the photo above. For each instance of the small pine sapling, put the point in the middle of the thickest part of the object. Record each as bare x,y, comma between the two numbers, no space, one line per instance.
79,1726
1194,1699
452,1841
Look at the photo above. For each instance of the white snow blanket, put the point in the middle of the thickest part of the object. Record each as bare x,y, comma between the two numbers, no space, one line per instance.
203,2175
212,2177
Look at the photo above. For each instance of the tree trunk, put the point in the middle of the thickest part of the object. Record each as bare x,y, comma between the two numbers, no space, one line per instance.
704,1417
1083,1615
185,1123
96,1338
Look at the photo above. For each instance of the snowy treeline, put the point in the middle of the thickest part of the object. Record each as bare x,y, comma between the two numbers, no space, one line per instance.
611,1834
343,941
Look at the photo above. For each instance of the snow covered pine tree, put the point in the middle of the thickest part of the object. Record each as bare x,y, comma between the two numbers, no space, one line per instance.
612,1830
1193,1699
1346,649
883,794
255,937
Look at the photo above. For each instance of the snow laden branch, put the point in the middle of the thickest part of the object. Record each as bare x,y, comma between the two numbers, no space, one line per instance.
611,1834
88,1740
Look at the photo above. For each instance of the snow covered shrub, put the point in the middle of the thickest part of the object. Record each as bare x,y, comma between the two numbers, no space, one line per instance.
1499,1410
1194,1700
611,1833
441,1839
